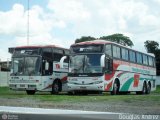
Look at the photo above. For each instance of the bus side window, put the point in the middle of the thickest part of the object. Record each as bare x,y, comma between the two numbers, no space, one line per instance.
124,53
139,57
154,64
57,54
132,56
47,61
150,61
57,57
108,50
145,60
109,65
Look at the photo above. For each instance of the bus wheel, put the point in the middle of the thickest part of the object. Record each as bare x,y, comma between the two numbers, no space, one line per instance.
30,92
144,90
84,93
148,88
55,87
70,93
115,90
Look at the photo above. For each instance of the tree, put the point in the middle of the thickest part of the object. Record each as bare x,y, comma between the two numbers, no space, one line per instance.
157,55
84,38
151,46
119,38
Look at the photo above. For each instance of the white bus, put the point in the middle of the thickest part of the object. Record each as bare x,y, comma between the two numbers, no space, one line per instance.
37,68
107,66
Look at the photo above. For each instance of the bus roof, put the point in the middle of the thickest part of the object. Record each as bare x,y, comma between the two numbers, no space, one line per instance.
92,42
39,46
35,46
103,42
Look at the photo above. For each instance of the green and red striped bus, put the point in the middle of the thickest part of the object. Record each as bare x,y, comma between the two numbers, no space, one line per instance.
100,66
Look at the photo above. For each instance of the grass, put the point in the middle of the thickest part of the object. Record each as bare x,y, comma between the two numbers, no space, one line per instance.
154,97
157,91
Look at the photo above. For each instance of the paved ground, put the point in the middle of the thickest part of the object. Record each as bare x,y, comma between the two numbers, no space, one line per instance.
142,107
25,113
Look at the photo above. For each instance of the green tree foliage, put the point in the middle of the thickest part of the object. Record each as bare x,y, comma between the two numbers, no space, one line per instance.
119,38
157,55
84,38
151,46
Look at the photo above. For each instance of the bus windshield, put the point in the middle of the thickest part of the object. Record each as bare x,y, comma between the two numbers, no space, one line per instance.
26,65
87,49
89,63
26,51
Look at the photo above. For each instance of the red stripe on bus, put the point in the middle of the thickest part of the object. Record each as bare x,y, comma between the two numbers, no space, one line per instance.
108,86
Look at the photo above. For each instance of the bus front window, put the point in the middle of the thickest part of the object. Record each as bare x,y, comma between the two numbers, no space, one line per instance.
89,63
26,66
76,63
18,65
32,66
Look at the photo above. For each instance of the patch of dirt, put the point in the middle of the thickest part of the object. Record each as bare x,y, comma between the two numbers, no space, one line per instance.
105,106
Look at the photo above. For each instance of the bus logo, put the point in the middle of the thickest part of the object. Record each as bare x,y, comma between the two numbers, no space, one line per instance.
57,66
136,80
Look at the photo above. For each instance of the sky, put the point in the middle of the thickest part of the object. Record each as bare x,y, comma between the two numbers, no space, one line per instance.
60,22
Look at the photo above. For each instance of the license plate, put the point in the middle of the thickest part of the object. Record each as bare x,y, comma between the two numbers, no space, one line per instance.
82,87
22,86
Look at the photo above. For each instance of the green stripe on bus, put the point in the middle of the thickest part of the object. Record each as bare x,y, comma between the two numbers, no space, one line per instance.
126,85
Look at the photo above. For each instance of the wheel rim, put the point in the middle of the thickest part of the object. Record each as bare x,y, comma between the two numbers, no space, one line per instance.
56,87
144,89
148,88
115,87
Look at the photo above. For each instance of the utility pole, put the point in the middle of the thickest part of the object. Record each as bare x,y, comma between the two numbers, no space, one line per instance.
28,23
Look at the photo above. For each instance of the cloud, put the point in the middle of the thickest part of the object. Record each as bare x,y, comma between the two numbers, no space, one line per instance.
14,23
149,20
69,11
4,56
137,19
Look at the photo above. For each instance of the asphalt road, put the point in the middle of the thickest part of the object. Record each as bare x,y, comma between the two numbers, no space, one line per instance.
23,113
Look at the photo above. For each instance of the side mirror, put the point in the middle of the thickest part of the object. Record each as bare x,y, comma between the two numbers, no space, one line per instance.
62,61
46,65
102,61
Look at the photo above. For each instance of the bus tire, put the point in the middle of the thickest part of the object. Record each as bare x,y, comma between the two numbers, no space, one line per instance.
70,93
115,90
84,93
30,92
56,87
144,89
148,88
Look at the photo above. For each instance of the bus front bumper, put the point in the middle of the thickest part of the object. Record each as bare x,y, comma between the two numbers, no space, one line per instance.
73,87
22,87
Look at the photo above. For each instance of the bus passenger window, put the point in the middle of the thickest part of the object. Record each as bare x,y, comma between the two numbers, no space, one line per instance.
139,57
116,52
124,54
145,60
108,50
132,56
